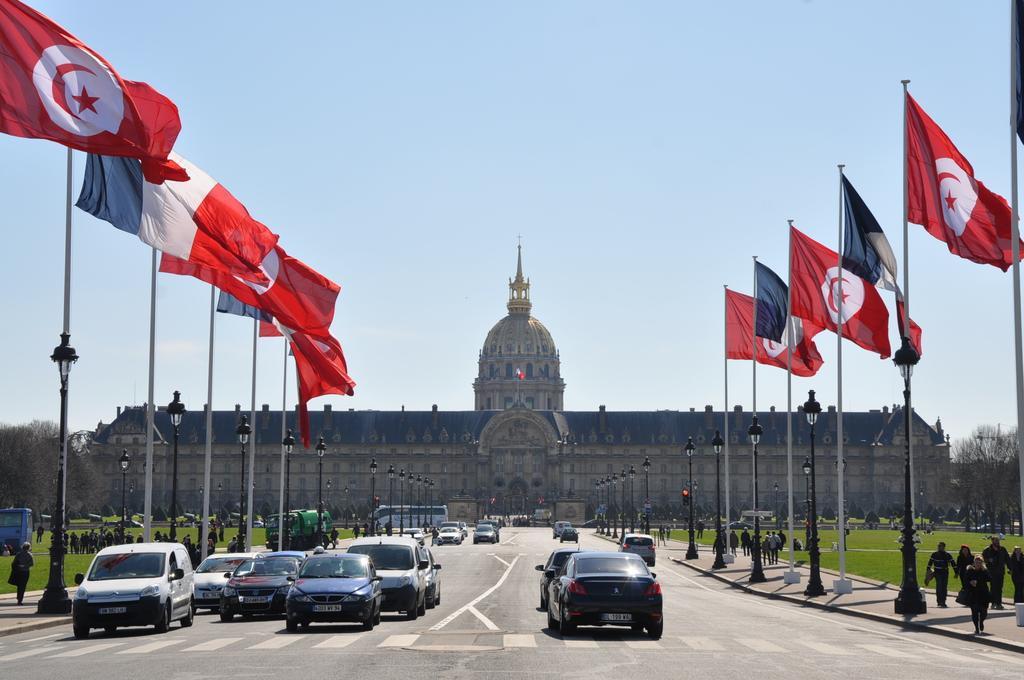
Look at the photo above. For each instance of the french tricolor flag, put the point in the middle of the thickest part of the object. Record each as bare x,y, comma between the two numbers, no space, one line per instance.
197,220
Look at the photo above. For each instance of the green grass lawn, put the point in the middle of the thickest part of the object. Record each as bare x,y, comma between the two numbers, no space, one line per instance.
875,554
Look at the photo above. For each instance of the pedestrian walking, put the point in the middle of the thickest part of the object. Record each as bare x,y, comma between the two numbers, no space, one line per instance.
976,587
939,565
39,534
1016,569
734,542
21,566
996,560
700,528
964,559
745,542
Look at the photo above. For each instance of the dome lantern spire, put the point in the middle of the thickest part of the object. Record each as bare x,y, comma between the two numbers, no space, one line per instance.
519,288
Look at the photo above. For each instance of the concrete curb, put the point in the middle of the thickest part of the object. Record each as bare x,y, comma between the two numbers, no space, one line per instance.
34,625
1001,643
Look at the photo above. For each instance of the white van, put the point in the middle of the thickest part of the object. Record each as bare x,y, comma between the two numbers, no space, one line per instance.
404,564
136,584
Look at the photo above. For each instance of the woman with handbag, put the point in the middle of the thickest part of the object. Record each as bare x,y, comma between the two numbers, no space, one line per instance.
964,559
976,586
20,566
1016,567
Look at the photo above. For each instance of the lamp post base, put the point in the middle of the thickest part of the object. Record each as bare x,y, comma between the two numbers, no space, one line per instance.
728,558
814,588
911,603
691,552
791,577
54,601
842,586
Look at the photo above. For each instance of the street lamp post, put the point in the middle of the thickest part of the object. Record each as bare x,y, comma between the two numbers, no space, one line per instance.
910,600
622,513
321,448
373,496
55,598
243,431
599,484
720,538
419,501
815,588
176,410
285,523
125,462
757,571
647,494
775,505
632,506
615,515
691,548
391,496
401,501
807,502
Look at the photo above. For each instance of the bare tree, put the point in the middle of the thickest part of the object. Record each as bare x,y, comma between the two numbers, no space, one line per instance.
986,477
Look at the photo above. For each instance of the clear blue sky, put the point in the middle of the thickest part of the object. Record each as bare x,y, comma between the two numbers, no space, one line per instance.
644,151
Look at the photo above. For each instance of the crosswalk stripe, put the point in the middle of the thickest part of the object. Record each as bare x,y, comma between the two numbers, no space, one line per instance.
1003,658
580,644
25,652
702,644
277,642
759,645
824,648
211,645
519,640
151,647
45,637
82,651
960,658
642,644
399,641
337,642
888,651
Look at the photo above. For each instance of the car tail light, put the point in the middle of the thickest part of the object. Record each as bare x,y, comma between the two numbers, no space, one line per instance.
653,590
651,547
576,588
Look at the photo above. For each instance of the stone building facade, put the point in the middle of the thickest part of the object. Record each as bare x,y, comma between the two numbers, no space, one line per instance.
519,449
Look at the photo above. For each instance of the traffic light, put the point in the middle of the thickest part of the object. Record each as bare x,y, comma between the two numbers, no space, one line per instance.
686,496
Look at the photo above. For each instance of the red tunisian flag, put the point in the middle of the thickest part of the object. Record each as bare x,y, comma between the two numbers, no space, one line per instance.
52,86
945,198
816,281
321,368
296,295
739,328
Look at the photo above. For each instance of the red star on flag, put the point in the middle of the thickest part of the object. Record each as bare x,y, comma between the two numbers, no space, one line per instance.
85,101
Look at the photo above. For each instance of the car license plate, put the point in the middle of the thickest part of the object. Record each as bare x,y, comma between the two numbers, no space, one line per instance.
616,617
255,600
327,608
113,610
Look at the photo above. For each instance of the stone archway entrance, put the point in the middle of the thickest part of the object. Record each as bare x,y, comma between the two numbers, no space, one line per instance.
517,497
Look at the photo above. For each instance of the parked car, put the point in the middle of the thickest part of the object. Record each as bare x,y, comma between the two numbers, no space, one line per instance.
332,588
403,565
433,592
208,579
557,527
740,525
639,544
484,532
415,534
605,589
452,535
548,570
258,586
136,584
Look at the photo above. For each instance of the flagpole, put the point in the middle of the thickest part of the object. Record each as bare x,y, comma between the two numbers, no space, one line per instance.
255,440
842,585
753,364
906,290
284,432
728,556
147,510
791,576
1015,236
208,462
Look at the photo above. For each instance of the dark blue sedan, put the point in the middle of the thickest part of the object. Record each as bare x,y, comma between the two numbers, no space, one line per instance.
334,588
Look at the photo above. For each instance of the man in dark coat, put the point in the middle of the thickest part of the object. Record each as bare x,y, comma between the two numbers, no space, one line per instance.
1016,567
941,563
976,581
20,566
996,561
745,542
734,541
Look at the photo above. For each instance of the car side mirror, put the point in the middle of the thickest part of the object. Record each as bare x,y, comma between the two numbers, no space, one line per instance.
79,578
539,567
289,578
437,566
424,564
227,574
177,575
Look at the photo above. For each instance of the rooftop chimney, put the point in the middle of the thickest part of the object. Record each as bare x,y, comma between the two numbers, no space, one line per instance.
602,419
433,415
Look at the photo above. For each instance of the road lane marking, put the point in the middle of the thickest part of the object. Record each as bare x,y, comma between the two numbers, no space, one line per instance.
451,617
959,658
509,541
580,644
825,648
1002,658
889,651
498,558
45,637
24,653
277,642
486,621
88,649
518,640
759,645
702,644
151,647
211,645
642,644
399,641
337,641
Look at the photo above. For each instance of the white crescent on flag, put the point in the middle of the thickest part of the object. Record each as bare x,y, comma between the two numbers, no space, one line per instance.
852,294
958,194
78,92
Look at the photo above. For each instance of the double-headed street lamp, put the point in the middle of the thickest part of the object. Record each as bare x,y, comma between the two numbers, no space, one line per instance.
720,538
910,600
285,525
614,479
757,571
622,478
391,497
176,410
815,587
691,548
373,496
401,501
419,500
321,448
647,494
243,431
125,462
55,598
632,505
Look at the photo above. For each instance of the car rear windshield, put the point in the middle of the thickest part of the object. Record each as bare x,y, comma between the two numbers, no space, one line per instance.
639,540
445,525
220,564
127,565
395,557
559,559
275,566
334,567
484,528
611,565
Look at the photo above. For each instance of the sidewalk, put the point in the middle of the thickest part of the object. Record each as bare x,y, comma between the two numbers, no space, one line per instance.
16,618
870,599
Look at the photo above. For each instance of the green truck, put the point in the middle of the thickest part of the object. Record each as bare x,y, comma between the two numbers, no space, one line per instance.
302,525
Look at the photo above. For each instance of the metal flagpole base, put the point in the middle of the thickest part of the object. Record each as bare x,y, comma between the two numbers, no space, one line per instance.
729,559
842,586
790,577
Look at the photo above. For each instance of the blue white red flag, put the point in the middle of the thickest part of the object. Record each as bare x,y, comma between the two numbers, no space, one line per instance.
772,303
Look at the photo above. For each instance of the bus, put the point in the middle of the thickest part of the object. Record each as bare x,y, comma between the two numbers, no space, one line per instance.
411,515
15,527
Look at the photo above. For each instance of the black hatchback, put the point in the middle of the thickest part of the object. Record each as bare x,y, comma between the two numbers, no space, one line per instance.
258,586
548,570
605,589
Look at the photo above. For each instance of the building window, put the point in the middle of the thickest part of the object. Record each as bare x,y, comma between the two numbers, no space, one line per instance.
529,367
508,370
508,402
529,402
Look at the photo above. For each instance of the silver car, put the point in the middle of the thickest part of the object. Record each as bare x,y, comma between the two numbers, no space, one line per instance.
639,544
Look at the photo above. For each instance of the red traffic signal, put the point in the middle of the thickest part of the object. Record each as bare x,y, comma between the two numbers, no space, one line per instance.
686,496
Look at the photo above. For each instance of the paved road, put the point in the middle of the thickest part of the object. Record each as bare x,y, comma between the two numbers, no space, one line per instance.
488,626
